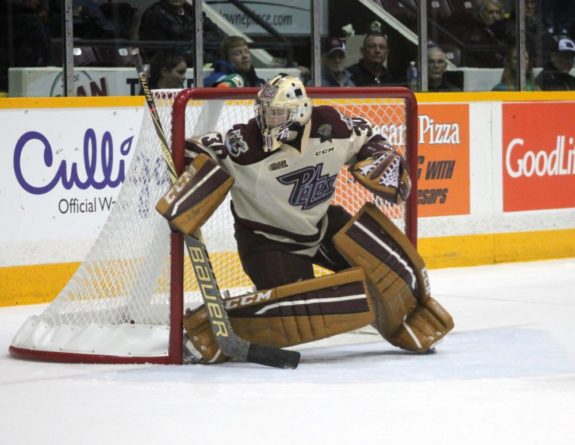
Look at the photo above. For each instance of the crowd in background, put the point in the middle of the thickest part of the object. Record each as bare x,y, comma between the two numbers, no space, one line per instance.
478,34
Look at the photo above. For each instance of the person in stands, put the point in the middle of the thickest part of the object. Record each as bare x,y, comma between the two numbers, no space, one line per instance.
236,59
172,22
371,69
509,78
555,74
333,60
436,67
168,70
486,37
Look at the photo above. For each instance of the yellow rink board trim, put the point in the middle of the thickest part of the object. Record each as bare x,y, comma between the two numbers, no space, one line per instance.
41,283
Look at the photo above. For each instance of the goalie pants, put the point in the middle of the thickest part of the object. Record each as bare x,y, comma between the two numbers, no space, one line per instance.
270,264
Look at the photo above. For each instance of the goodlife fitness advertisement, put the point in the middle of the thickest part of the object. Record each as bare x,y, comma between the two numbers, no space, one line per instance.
538,156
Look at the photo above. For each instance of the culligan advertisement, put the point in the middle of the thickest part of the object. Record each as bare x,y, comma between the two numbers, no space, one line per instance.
62,171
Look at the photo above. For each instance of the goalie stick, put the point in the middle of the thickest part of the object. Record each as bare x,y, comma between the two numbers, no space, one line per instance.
229,342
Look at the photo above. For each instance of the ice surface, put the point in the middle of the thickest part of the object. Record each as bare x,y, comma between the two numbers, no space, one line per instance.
506,375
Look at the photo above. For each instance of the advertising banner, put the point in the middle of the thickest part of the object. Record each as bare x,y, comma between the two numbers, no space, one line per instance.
538,156
443,170
62,170
286,17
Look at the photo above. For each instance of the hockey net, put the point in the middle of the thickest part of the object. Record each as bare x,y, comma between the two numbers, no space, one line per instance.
125,302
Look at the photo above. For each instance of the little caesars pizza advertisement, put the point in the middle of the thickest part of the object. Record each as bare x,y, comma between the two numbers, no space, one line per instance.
443,160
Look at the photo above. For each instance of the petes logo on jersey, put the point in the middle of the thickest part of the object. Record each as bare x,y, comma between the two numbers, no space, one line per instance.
310,186
235,143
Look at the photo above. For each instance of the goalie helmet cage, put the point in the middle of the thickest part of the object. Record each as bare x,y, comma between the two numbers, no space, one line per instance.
125,303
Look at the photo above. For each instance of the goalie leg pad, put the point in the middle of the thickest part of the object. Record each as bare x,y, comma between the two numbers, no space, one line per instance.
288,315
397,280
195,195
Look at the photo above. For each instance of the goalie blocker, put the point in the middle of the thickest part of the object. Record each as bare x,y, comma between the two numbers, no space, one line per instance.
195,195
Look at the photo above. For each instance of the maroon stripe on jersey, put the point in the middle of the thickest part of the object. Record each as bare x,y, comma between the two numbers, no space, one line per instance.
399,263
346,299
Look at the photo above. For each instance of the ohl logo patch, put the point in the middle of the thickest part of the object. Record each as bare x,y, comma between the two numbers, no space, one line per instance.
310,186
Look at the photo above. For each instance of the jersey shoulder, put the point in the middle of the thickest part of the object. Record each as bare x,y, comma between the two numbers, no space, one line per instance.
328,123
244,143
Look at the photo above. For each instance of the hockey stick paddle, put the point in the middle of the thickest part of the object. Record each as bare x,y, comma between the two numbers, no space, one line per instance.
229,342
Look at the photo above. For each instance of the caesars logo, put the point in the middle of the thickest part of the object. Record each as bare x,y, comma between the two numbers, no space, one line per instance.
430,132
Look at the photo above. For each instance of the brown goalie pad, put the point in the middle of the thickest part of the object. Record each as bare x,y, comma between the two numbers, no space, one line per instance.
397,280
287,315
195,195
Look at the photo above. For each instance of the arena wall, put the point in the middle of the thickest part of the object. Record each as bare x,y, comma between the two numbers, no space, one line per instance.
496,181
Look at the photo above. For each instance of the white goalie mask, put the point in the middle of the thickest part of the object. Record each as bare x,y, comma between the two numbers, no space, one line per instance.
282,107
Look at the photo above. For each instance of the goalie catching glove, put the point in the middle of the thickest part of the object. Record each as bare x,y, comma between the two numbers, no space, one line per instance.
384,173
195,195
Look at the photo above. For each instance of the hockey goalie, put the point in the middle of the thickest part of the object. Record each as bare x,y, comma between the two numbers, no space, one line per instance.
281,168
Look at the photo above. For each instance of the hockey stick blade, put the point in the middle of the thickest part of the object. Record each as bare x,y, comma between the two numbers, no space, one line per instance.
229,342
278,358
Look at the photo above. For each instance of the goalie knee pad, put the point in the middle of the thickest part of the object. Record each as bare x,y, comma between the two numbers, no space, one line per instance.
287,315
406,315
195,195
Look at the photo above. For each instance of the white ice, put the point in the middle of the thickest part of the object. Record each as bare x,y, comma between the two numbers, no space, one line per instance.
505,375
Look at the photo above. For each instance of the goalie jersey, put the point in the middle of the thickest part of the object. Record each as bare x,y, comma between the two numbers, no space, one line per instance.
284,195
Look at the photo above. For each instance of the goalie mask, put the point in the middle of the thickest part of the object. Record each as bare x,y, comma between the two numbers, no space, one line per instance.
282,107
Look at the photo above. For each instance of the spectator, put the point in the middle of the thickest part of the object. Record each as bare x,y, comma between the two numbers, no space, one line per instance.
436,67
236,59
333,72
488,34
555,74
167,70
509,78
371,69
30,33
173,21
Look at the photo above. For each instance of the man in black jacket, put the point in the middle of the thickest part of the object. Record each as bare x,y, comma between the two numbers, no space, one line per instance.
173,21
371,70
555,75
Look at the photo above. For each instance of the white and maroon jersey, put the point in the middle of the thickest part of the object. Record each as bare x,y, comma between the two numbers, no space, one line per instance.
284,195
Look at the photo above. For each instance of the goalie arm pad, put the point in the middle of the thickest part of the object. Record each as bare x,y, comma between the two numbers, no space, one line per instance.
195,195
406,314
287,315
382,171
